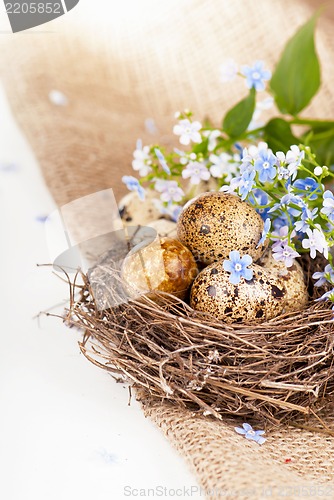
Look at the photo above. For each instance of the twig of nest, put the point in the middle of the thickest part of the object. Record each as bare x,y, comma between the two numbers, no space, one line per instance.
276,370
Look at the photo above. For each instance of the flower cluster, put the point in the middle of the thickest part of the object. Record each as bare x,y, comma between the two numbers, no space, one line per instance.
287,189
176,176
300,209
282,175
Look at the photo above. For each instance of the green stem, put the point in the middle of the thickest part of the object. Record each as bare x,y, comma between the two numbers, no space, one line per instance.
324,135
310,121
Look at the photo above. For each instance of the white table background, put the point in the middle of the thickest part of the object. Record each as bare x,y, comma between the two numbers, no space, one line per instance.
66,430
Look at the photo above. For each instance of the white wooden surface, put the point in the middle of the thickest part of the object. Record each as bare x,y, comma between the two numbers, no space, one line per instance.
66,430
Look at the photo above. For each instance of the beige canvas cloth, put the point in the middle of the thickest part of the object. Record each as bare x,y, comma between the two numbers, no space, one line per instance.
115,75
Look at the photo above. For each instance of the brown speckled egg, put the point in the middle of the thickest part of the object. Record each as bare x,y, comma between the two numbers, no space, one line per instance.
215,223
257,300
162,265
296,296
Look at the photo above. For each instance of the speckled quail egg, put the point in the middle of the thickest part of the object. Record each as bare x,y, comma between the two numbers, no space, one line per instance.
164,227
162,265
213,224
296,296
134,211
256,300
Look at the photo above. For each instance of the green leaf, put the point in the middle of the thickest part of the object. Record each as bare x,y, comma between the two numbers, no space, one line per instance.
278,135
321,141
296,78
202,147
239,117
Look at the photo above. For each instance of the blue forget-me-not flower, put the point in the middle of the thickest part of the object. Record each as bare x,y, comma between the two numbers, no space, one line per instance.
238,267
170,190
328,205
246,184
141,159
307,186
256,75
188,131
322,277
249,433
196,171
265,165
133,185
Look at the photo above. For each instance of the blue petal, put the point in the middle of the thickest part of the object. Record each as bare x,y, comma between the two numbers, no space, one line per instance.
247,427
263,176
328,194
252,437
130,180
228,266
235,278
162,161
267,225
41,218
272,173
243,193
141,193
247,260
248,274
259,85
261,440
234,256
239,430
258,66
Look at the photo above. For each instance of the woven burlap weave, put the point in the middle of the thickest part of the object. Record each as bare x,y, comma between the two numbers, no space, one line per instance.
291,459
118,74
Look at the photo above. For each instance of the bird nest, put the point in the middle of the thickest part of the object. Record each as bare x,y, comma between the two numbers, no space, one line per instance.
275,370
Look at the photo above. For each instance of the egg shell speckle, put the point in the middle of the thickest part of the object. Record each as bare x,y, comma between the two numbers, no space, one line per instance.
215,223
296,296
257,300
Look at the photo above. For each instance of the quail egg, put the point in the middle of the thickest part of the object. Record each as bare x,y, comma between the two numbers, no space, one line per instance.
134,211
164,227
215,223
259,299
161,265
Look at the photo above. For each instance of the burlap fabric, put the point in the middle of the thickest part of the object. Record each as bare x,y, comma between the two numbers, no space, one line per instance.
293,463
116,75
